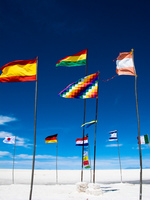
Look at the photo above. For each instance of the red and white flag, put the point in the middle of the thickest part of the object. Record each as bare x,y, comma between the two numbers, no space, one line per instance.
79,142
9,140
124,64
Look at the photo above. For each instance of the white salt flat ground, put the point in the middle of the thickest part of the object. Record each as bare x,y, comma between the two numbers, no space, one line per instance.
45,187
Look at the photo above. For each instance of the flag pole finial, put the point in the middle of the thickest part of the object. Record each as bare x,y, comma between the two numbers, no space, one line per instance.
132,51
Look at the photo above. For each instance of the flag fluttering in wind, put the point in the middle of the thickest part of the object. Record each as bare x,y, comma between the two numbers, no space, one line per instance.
86,87
19,71
51,139
79,142
113,135
125,64
88,124
78,59
85,159
144,139
9,140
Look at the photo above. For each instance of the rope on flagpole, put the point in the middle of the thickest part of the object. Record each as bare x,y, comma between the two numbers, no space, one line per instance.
109,78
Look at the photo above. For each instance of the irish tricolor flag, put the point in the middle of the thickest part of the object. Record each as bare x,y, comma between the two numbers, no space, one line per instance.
124,64
144,139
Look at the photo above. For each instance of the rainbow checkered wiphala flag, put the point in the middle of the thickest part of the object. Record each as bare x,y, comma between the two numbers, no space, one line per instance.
86,87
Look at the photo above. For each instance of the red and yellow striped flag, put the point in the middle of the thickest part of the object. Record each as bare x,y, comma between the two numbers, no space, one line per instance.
19,71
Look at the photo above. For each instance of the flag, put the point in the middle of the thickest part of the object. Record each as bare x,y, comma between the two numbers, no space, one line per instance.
86,87
88,124
51,139
78,59
144,139
85,159
113,135
9,140
125,65
19,71
79,142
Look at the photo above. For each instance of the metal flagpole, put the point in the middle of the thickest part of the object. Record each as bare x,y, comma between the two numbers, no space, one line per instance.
95,133
33,162
140,154
83,126
90,165
56,162
13,161
119,158
83,140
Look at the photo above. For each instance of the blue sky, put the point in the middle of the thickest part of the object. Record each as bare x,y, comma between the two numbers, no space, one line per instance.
53,30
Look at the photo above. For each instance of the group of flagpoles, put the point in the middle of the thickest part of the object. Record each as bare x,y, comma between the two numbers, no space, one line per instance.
33,162
84,130
138,121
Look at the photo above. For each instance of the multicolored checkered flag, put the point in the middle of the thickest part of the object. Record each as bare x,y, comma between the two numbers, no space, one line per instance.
84,88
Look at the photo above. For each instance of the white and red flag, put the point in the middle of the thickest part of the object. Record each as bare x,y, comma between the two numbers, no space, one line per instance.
125,64
9,140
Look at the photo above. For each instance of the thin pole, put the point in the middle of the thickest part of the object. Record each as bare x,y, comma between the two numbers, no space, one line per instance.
95,134
33,162
13,162
56,163
90,165
119,158
137,110
83,140
83,126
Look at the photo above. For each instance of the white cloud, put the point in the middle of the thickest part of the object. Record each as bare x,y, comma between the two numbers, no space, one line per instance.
26,156
4,134
22,142
113,145
5,119
145,146
4,153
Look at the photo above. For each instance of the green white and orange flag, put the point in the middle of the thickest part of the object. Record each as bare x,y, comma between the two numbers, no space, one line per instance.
51,139
78,59
19,71
125,64
144,139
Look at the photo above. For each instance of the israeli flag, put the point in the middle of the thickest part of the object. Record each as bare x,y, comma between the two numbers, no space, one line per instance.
113,135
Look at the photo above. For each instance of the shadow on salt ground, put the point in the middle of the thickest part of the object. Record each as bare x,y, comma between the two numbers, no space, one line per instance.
138,182
108,189
131,182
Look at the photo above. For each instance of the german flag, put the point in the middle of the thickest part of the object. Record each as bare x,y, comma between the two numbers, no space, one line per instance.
51,139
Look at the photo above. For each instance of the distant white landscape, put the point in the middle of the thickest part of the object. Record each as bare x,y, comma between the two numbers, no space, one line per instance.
108,185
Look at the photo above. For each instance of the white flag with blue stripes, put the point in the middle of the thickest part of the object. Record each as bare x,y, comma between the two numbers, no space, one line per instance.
113,135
